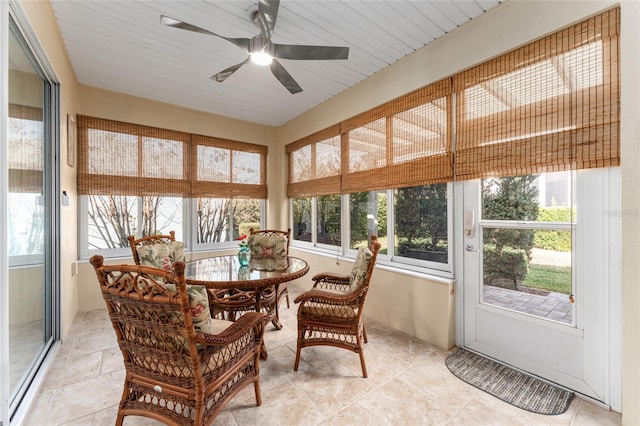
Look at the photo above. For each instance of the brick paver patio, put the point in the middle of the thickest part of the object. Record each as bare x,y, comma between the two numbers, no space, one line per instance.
554,306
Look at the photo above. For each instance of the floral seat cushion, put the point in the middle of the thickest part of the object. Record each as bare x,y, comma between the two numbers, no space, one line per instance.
268,245
161,255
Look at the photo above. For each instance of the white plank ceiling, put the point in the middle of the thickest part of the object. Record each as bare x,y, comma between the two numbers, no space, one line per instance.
121,46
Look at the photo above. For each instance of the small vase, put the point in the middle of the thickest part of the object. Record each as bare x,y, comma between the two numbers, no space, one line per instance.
244,256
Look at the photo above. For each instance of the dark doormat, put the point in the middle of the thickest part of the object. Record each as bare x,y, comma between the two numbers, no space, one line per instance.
507,384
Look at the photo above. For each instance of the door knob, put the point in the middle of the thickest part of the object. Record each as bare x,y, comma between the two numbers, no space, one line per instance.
471,248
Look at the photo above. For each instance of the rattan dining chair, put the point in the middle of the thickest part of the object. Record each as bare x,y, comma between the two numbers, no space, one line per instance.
330,313
177,371
230,304
271,243
158,251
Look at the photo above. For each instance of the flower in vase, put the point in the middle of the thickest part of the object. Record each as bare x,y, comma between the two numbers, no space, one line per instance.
243,240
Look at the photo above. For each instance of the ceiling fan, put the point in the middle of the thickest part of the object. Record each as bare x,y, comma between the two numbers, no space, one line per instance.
260,48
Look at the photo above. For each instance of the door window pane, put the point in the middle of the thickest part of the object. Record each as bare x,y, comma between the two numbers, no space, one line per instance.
527,244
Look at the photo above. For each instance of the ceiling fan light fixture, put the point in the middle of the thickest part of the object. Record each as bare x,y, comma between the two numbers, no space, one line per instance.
261,58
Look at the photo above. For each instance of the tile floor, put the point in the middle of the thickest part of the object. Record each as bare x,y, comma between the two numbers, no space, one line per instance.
408,384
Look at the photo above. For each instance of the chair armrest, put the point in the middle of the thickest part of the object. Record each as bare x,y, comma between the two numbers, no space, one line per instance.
327,280
320,296
251,320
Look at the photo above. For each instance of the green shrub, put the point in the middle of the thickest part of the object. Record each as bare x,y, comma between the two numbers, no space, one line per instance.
507,262
554,240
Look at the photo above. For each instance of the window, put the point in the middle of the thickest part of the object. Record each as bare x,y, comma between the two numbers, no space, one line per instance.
317,220
368,216
302,218
217,221
421,223
112,218
224,219
329,223
138,180
411,224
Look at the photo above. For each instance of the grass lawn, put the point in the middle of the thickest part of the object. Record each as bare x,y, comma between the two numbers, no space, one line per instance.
556,279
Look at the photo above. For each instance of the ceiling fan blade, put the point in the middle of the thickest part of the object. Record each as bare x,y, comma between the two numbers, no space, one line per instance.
222,75
242,43
303,52
267,14
285,78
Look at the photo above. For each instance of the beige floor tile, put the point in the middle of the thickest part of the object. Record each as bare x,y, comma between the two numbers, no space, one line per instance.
484,409
396,403
588,414
282,405
74,369
111,360
408,384
331,387
77,400
437,384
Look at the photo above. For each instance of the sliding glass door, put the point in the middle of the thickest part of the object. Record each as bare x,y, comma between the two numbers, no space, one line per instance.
32,215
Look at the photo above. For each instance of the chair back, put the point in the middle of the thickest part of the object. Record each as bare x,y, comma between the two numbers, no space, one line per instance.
150,312
269,242
363,265
157,251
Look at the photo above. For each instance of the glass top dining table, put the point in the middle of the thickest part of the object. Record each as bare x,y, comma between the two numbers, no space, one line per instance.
235,289
226,272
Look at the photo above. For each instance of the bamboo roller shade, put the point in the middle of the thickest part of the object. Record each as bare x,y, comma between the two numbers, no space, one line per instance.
405,142
548,106
129,159
551,105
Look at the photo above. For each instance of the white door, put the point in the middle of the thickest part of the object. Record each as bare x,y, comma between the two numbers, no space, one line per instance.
536,294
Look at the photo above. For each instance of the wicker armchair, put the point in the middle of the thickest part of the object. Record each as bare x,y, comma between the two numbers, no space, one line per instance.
175,373
331,312
271,243
158,251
